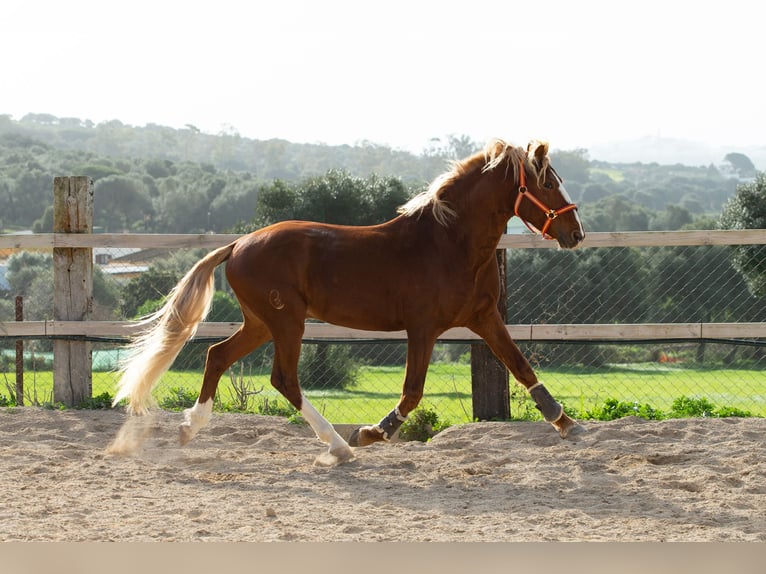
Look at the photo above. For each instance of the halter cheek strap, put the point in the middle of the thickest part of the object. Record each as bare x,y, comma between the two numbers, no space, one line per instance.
550,214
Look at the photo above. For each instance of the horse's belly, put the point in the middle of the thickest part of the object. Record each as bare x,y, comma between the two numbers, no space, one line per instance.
355,314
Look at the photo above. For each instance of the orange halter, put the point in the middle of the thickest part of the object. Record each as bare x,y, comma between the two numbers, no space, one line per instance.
550,214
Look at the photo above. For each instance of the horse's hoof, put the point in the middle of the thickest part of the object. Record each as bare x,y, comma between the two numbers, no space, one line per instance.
364,436
334,457
572,431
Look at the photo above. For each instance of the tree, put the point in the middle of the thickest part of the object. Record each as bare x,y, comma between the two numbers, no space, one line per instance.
23,268
614,213
45,223
740,164
106,297
572,165
30,196
336,197
672,219
183,207
236,204
747,210
119,201
696,284
30,275
461,146
383,196
455,147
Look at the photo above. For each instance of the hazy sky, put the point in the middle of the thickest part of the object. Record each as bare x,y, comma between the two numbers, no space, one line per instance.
575,72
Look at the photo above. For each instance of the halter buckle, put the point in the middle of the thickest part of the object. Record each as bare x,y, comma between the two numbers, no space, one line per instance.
551,214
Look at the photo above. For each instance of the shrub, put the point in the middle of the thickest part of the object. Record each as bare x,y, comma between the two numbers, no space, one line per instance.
684,407
613,409
325,366
422,425
102,401
275,408
725,412
178,398
692,407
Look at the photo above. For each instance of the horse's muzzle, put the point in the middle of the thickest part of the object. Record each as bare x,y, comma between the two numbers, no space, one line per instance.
571,240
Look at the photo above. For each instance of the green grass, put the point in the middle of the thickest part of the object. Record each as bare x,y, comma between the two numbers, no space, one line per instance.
659,386
448,389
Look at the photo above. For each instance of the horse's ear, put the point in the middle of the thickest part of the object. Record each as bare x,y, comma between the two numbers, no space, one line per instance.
538,152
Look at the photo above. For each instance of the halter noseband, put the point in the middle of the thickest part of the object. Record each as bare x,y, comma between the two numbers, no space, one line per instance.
550,214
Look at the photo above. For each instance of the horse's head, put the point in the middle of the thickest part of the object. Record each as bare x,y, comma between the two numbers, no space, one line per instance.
542,202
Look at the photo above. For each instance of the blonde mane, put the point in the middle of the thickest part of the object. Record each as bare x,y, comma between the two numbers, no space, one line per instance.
497,153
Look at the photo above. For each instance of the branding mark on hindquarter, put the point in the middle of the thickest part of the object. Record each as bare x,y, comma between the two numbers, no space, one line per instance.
276,299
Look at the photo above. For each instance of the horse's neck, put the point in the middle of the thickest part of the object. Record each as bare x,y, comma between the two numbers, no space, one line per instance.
467,241
482,219
482,240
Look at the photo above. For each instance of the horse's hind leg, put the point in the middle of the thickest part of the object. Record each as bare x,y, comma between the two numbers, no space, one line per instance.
494,333
284,378
252,334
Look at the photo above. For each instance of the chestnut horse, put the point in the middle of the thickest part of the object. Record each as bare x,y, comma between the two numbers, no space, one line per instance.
431,268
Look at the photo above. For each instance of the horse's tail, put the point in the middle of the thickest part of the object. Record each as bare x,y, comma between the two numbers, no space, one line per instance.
152,352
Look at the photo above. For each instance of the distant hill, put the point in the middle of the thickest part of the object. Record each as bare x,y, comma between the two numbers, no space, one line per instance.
652,149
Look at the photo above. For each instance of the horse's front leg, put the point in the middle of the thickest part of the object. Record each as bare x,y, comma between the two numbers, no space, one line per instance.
492,330
419,349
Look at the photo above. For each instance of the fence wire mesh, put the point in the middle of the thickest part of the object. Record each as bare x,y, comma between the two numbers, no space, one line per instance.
360,381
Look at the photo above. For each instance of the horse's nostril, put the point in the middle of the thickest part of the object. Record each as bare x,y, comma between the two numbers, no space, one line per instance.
578,235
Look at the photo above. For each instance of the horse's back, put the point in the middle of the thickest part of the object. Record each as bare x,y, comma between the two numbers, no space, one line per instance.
293,246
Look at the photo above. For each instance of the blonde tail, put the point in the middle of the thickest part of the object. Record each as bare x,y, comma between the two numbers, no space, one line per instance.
152,352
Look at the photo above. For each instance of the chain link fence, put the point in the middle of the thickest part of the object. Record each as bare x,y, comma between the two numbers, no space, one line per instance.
360,381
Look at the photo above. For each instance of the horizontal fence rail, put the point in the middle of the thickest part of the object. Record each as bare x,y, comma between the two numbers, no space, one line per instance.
523,241
320,331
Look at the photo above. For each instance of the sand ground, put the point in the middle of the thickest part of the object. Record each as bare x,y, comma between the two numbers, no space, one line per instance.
253,478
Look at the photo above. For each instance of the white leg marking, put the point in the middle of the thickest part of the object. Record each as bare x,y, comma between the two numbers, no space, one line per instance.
325,431
195,418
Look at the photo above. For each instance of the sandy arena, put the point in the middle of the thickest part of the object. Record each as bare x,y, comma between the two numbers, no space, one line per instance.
252,478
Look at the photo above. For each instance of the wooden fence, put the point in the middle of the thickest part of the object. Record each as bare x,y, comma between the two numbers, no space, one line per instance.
72,244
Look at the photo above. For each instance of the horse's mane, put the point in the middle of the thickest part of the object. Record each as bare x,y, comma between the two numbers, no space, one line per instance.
497,154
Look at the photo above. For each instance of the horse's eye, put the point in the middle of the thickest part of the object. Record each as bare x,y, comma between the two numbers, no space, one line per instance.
548,185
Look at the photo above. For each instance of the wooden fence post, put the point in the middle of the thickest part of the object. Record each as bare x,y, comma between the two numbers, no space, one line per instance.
20,354
72,288
490,394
